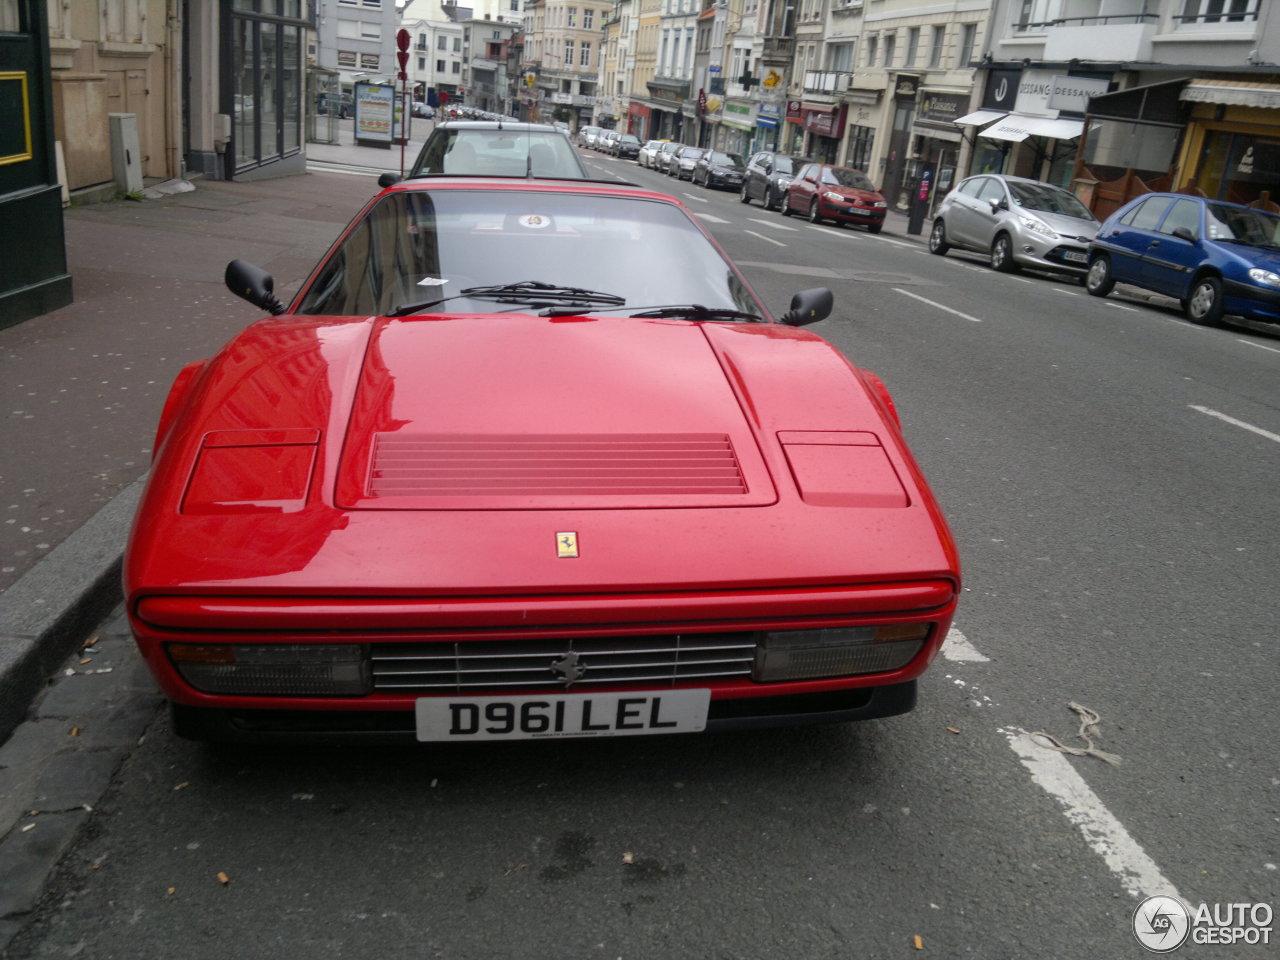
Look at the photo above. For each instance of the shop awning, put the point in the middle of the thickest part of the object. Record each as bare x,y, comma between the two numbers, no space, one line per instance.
1233,93
1018,126
980,117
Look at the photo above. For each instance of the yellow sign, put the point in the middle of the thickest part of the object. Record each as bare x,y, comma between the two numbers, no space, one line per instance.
773,79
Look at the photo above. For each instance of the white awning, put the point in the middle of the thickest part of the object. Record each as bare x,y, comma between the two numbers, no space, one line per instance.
1018,126
979,117
1232,92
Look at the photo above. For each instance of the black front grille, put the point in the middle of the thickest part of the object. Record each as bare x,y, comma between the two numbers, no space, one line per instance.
480,666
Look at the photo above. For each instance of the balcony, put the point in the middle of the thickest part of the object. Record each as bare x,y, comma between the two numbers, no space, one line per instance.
821,81
1123,42
778,50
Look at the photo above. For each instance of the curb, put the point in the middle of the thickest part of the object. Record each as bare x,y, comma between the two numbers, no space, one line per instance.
58,601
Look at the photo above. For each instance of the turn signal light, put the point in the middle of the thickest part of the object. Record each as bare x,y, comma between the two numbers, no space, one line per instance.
837,651
275,670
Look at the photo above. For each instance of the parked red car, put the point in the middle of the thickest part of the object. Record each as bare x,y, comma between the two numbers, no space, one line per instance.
530,459
823,191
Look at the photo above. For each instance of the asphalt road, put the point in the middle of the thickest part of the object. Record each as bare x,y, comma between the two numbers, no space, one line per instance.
1108,470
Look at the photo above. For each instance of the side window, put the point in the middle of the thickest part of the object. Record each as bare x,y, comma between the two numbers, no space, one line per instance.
1185,213
970,188
1148,215
992,191
810,173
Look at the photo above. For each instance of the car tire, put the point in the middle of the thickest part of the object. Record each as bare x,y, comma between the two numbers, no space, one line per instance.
938,239
743,195
1204,304
1098,281
786,205
814,216
875,228
1002,254
771,200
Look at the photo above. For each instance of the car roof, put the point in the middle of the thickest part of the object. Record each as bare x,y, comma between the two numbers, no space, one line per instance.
500,125
445,181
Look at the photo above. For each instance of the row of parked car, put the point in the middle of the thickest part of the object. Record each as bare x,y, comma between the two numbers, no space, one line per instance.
1216,258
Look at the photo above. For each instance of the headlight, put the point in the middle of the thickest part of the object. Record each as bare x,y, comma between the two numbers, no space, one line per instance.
879,203
1038,226
783,183
1264,277
837,651
834,197
273,670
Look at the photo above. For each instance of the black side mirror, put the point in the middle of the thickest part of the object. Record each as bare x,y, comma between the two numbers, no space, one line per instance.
388,179
1184,233
809,306
253,284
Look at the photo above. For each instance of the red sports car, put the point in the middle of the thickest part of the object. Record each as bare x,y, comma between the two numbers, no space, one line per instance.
822,191
529,459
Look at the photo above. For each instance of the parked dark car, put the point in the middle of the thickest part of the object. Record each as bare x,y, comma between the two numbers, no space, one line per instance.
767,177
626,146
715,168
1017,222
1215,257
823,191
680,164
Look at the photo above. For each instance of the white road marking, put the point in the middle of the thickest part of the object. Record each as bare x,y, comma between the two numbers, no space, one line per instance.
710,218
1258,345
957,647
776,224
1022,279
1065,293
1236,423
316,168
932,303
690,196
1120,306
1104,834
897,243
778,243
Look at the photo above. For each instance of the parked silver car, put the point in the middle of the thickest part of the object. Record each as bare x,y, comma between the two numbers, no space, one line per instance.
1017,222
649,151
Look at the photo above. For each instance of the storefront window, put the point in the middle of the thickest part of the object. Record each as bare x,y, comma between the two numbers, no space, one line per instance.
290,86
246,58
1238,166
861,143
1115,147
267,77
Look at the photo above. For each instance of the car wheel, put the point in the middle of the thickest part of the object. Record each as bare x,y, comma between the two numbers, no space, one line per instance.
743,195
1002,255
1204,305
813,212
938,239
1098,281
771,200
786,205
875,228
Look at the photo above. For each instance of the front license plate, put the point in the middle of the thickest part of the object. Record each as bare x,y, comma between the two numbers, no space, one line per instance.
564,715
1075,256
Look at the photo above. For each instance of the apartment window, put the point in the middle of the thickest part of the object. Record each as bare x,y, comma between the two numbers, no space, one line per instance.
840,57
422,63
588,19
515,6
442,42
457,44
873,45
573,17
890,41
440,68
584,59
968,37
457,67
935,46
913,47
1218,11
568,53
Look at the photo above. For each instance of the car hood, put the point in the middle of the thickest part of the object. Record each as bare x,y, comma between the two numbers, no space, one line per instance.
443,456
1068,226
853,193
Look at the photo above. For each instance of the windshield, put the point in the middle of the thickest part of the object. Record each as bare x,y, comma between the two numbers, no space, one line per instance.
1048,199
784,164
845,177
414,246
502,153
727,159
1242,225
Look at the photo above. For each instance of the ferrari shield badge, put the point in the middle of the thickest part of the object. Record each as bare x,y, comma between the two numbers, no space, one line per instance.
566,544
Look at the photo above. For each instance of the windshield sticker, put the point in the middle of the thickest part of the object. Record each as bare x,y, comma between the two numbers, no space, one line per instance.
535,221
432,282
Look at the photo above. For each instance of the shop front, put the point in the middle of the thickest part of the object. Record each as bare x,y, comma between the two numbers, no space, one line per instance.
938,139
822,124
1232,146
638,120
737,127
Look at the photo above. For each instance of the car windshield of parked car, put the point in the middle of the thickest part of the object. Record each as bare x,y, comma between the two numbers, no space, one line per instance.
844,177
1254,228
1044,198
724,159
500,153
417,246
691,153
786,165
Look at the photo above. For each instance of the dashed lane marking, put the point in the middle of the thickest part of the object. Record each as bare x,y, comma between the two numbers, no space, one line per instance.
761,236
710,218
1236,423
932,303
1258,345
775,224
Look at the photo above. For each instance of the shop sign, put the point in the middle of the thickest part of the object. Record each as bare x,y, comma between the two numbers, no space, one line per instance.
1002,90
942,107
795,113
905,87
1072,93
369,61
347,58
825,124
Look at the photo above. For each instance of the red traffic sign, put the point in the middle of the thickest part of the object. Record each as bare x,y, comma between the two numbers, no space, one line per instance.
402,41
403,57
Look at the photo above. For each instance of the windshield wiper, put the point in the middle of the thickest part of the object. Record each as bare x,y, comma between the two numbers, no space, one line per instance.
695,311
532,292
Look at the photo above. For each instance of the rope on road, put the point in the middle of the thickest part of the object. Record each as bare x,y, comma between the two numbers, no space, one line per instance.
1089,720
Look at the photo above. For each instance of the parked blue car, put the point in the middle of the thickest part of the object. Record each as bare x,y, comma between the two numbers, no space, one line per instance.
1215,257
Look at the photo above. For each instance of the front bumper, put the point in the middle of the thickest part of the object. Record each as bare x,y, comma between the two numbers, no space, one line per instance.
1056,253
850,213
1251,301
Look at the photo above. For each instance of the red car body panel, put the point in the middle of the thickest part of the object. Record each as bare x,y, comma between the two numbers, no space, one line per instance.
855,206
310,488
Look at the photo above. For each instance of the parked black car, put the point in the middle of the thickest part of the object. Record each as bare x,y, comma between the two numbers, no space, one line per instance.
767,177
715,168
625,147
